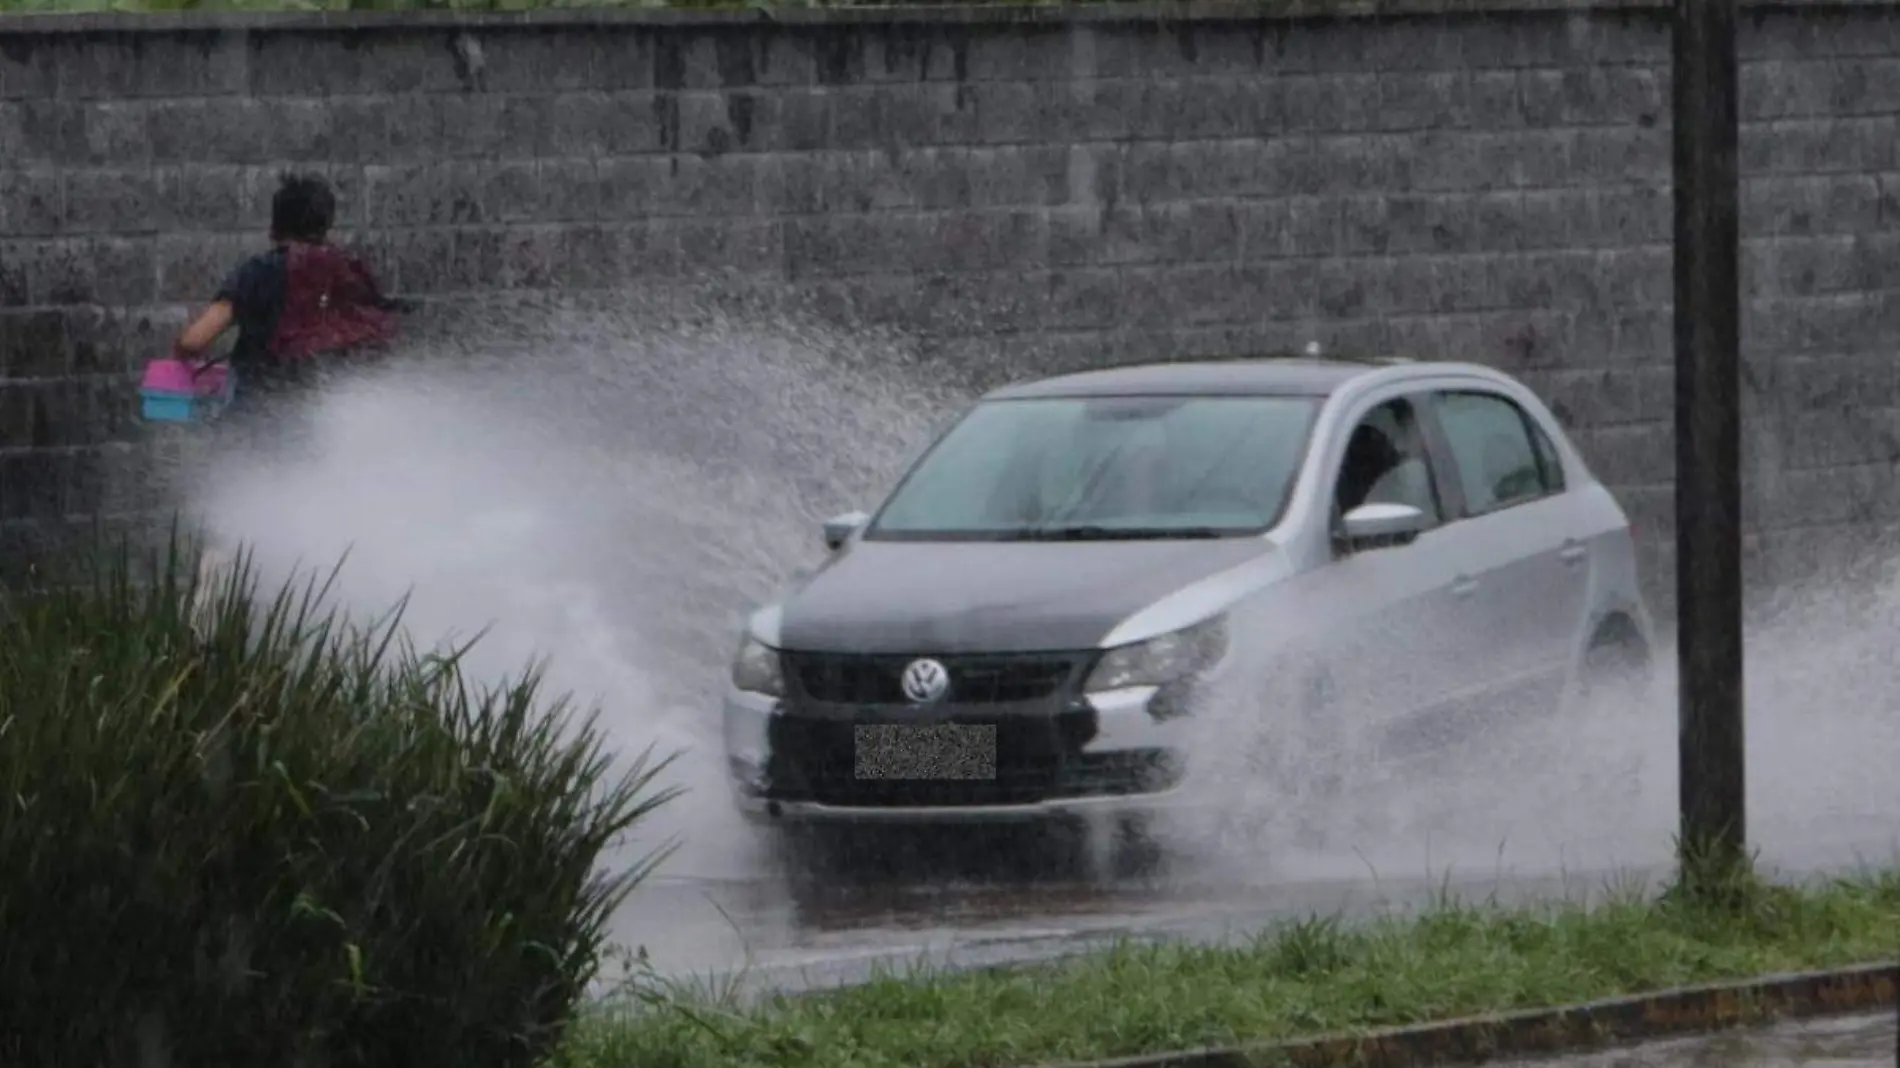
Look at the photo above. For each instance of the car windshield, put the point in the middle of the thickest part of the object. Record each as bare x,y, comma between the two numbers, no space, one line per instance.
1075,468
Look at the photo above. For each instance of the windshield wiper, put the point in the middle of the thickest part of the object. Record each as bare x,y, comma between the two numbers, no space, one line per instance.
1091,532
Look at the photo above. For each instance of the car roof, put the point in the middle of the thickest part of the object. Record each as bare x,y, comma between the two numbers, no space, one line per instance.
1243,376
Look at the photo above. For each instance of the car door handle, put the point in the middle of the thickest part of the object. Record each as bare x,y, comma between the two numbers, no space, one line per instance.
1573,552
1464,586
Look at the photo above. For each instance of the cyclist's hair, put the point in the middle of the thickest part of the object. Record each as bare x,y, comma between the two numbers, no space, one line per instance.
302,208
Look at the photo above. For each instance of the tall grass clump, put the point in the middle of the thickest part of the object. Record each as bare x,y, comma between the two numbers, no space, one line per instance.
236,828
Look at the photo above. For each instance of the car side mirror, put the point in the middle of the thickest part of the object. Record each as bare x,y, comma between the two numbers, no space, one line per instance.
1380,526
839,528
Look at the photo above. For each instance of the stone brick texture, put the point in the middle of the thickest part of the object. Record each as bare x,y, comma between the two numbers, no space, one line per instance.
1039,193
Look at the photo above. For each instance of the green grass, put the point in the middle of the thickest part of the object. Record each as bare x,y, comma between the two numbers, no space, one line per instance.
1313,977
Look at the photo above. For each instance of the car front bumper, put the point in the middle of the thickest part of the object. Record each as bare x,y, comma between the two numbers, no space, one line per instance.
1123,724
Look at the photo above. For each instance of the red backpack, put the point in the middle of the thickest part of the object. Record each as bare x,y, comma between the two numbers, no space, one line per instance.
331,304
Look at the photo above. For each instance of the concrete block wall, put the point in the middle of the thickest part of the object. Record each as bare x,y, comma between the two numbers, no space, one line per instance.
1045,191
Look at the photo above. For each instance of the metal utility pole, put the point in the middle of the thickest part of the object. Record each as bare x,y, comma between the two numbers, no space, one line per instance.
1708,441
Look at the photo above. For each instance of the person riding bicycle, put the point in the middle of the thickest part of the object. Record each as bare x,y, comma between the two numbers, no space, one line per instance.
299,309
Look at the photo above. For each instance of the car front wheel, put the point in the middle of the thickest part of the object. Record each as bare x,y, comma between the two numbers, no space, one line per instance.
1611,704
1618,671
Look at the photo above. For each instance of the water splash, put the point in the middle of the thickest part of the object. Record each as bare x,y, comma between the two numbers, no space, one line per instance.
1591,790
611,488
616,486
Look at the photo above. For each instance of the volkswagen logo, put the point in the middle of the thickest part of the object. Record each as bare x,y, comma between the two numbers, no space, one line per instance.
925,681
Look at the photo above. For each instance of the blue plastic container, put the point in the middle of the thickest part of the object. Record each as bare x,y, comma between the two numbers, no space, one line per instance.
163,407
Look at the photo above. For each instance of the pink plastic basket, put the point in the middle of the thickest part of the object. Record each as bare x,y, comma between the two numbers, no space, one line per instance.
177,376
176,391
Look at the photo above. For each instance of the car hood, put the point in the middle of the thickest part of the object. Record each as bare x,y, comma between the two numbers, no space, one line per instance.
952,597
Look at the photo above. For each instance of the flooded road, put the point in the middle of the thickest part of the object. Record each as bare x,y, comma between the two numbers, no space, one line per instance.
782,933
770,937
1520,816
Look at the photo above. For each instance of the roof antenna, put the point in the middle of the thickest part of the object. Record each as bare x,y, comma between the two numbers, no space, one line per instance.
1312,350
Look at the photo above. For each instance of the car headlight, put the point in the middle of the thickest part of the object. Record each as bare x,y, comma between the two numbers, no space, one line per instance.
1160,661
756,669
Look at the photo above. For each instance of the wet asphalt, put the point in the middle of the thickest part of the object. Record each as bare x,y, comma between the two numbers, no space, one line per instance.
766,936
791,931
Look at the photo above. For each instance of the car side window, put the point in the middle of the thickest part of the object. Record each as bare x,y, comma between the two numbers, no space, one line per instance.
1495,446
1547,456
1386,463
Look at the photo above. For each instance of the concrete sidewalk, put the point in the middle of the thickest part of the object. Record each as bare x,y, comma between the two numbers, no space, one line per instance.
1845,1042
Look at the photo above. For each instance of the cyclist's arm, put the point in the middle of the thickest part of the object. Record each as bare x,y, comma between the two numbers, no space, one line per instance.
205,329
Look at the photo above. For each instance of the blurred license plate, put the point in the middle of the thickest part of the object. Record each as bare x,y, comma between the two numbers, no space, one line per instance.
936,751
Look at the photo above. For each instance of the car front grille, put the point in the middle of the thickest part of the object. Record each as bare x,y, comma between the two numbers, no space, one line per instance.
974,680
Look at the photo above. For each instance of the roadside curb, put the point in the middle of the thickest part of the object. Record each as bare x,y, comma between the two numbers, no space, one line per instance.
1567,1028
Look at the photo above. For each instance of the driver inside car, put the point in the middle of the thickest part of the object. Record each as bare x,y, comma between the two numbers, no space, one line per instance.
1370,454
1379,471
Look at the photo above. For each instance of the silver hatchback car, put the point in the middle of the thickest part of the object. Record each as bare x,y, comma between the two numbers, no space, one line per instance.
1032,621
